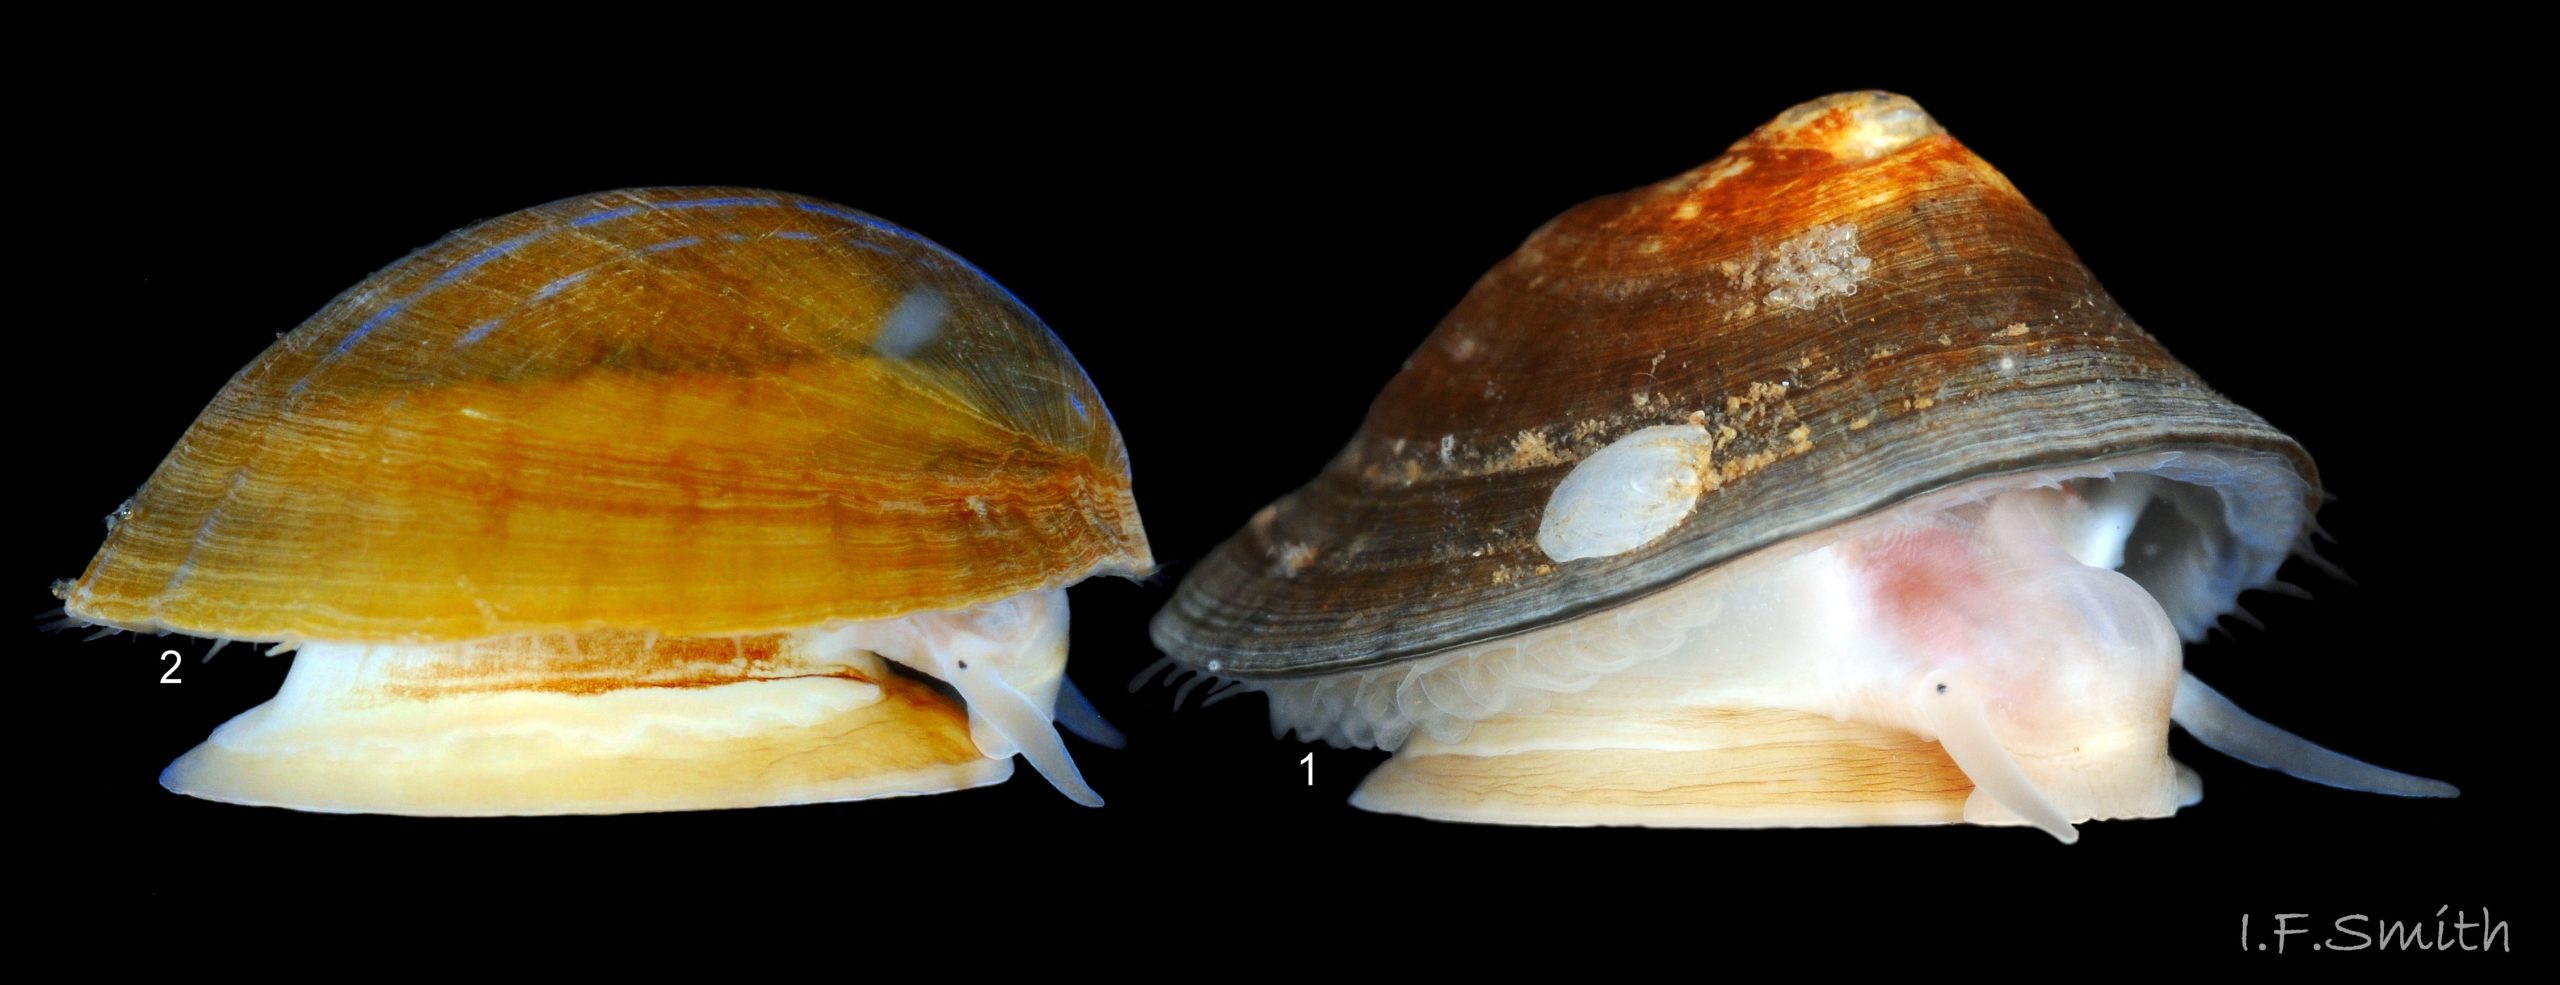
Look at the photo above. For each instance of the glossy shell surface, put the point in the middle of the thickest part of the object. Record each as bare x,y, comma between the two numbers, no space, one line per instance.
1849,305
689,411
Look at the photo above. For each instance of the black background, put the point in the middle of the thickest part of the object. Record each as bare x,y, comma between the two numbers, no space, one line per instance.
1240,258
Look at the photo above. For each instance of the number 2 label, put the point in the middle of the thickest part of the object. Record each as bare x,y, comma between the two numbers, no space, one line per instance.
170,676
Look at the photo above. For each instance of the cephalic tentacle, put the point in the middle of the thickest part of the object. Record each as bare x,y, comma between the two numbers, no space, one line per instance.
2222,726
996,703
1077,714
1008,661
1953,710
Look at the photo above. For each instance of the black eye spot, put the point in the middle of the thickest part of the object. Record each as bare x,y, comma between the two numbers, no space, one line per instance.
1942,689
964,665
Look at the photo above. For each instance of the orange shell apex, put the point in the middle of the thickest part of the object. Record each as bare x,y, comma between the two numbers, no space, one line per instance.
684,411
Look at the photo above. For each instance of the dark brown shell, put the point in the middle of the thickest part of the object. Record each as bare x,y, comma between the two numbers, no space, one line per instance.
1975,344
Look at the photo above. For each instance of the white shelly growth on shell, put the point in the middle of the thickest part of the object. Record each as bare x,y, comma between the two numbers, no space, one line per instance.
1628,494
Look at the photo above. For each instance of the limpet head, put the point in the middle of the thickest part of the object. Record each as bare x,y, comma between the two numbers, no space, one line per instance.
1825,486
629,502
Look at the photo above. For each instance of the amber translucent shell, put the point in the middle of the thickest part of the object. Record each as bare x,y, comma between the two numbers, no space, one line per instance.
1971,343
690,411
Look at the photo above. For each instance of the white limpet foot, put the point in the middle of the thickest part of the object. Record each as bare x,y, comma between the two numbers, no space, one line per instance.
614,723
